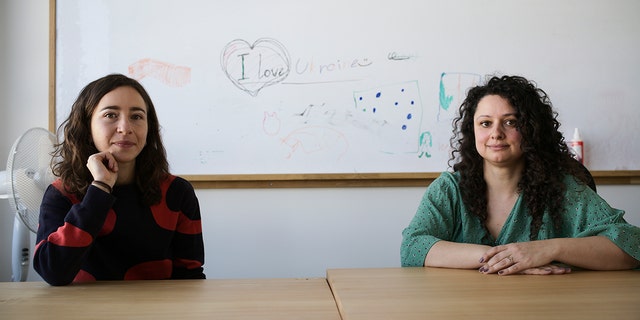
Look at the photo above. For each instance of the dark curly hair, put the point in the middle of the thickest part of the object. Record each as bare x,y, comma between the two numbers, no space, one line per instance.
71,155
546,156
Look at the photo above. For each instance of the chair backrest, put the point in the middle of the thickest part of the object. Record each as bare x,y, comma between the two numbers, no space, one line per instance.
590,181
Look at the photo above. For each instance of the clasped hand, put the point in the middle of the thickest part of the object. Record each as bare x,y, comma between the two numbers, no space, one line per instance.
103,167
532,257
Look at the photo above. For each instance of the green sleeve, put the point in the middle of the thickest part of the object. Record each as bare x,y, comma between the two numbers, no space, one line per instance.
434,220
587,214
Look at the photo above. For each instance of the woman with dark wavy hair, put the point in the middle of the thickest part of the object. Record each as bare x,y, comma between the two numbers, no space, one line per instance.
115,212
516,201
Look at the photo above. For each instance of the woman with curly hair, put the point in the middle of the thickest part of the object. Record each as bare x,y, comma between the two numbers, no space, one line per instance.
115,212
516,201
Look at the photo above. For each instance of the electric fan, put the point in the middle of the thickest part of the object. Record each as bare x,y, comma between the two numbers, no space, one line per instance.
23,184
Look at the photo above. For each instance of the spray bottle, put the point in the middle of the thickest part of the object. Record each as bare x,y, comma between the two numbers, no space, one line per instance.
576,146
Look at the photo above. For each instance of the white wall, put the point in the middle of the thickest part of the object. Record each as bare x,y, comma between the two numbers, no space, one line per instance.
248,232
24,56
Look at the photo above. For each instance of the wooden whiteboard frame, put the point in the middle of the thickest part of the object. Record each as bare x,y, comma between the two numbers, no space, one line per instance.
338,180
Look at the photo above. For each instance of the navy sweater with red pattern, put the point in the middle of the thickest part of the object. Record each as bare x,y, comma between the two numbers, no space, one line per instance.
116,237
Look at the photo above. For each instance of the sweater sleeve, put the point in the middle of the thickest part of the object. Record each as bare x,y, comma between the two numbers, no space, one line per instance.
187,244
588,214
66,232
434,220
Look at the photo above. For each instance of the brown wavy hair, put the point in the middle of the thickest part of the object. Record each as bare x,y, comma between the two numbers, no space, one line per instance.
71,155
546,156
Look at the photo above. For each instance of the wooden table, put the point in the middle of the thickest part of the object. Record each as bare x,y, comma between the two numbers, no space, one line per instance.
431,293
171,299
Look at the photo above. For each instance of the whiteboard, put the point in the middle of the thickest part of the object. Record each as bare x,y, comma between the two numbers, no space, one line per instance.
274,87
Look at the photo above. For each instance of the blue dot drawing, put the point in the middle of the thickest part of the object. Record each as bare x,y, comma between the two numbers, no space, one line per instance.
394,114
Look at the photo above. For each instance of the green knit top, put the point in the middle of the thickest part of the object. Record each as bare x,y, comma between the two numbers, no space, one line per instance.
442,216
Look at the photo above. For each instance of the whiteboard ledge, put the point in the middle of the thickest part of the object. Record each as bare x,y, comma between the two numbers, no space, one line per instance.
359,180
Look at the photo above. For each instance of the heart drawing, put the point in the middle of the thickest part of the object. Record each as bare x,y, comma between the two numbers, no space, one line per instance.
252,67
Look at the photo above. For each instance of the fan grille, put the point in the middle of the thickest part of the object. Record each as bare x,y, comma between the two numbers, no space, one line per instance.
29,172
